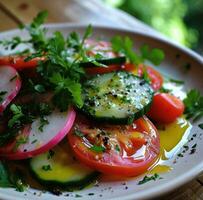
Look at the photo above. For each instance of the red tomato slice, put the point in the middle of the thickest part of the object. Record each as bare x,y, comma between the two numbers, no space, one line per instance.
102,70
18,62
165,108
154,76
125,150
101,47
104,49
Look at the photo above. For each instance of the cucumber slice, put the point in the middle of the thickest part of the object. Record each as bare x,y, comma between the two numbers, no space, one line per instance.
117,97
106,61
59,168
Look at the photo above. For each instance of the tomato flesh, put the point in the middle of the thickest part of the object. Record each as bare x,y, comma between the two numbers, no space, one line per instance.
103,48
129,150
18,62
156,79
165,108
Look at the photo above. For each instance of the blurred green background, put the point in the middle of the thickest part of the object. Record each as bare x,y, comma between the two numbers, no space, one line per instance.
181,20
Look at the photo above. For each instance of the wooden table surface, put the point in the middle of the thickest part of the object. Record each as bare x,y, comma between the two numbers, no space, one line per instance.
14,12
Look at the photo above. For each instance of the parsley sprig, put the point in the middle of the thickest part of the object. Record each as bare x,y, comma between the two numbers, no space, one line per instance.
13,180
149,178
20,115
124,45
193,105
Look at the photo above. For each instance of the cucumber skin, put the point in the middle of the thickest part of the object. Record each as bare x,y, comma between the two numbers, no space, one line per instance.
107,61
81,183
127,120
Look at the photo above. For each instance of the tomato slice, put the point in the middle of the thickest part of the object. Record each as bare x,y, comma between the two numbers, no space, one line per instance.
102,70
155,77
125,150
104,49
165,108
99,47
18,62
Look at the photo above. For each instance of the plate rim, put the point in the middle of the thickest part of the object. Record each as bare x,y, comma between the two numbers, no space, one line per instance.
174,183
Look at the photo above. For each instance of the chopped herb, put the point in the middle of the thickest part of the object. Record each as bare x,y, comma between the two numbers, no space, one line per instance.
186,147
43,122
201,126
194,146
78,133
193,151
17,115
34,141
46,167
145,75
193,105
97,149
155,55
117,148
21,140
90,194
4,176
178,82
180,155
2,93
8,179
78,195
13,78
50,154
164,90
39,88
149,178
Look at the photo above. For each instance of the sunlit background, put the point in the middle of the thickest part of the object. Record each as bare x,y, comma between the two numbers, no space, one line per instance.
181,20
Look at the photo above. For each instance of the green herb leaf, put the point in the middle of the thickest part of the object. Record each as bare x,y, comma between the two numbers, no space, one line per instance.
20,140
193,105
79,133
4,176
17,115
46,167
178,82
125,46
39,88
201,126
13,78
50,154
155,55
8,179
43,122
97,149
149,178
2,94
165,90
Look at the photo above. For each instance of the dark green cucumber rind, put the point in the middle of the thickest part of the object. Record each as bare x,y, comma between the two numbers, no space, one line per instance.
113,120
105,61
126,120
52,183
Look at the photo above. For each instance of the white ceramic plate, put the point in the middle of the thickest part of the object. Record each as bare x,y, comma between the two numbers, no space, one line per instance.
184,170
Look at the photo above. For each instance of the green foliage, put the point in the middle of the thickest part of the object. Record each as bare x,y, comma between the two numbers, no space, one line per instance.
193,105
8,179
178,19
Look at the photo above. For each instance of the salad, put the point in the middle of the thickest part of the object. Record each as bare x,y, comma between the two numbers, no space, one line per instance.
73,108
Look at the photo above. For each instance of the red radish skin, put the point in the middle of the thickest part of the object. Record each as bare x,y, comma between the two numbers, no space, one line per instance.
12,87
39,142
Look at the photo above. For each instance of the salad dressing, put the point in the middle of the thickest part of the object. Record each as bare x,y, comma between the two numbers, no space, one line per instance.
172,138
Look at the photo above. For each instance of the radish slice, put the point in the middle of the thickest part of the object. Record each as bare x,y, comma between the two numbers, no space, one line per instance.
31,141
10,85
